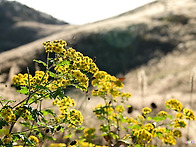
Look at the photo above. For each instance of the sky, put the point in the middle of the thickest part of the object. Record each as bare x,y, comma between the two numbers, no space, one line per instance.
83,11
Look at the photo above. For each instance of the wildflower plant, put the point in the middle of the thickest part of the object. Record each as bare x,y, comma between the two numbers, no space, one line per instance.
65,67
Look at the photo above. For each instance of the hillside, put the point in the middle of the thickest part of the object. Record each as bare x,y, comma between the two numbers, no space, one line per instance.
20,25
127,41
158,38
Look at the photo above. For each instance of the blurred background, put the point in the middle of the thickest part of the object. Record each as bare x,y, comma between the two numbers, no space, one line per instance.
147,42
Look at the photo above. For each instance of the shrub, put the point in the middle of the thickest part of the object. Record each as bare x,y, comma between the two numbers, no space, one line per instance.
66,67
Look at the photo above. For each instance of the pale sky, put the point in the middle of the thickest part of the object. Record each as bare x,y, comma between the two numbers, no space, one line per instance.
83,11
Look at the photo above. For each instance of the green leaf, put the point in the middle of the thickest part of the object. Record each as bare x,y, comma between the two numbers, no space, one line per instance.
23,90
158,118
40,135
80,128
68,136
149,118
45,112
128,106
41,62
113,135
123,120
53,75
25,123
169,116
62,129
50,111
65,62
168,107
159,134
134,127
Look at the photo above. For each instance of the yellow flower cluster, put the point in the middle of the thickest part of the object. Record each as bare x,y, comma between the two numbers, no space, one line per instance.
179,123
119,108
174,104
179,115
24,113
34,139
143,136
169,139
55,84
64,104
71,65
103,110
146,110
163,114
75,118
8,115
80,62
125,95
56,46
7,139
80,78
107,85
40,77
62,82
167,136
149,127
131,121
177,133
23,79
88,132
189,114
160,130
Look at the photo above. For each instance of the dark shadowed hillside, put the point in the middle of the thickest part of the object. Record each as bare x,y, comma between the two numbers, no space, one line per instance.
20,24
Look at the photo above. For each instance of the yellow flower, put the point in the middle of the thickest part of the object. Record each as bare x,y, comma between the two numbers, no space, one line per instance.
57,145
131,120
89,132
163,113
179,123
146,110
149,126
174,104
75,117
189,114
179,115
160,130
56,46
177,133
168,139
119,108
143,136
34,139
126,95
